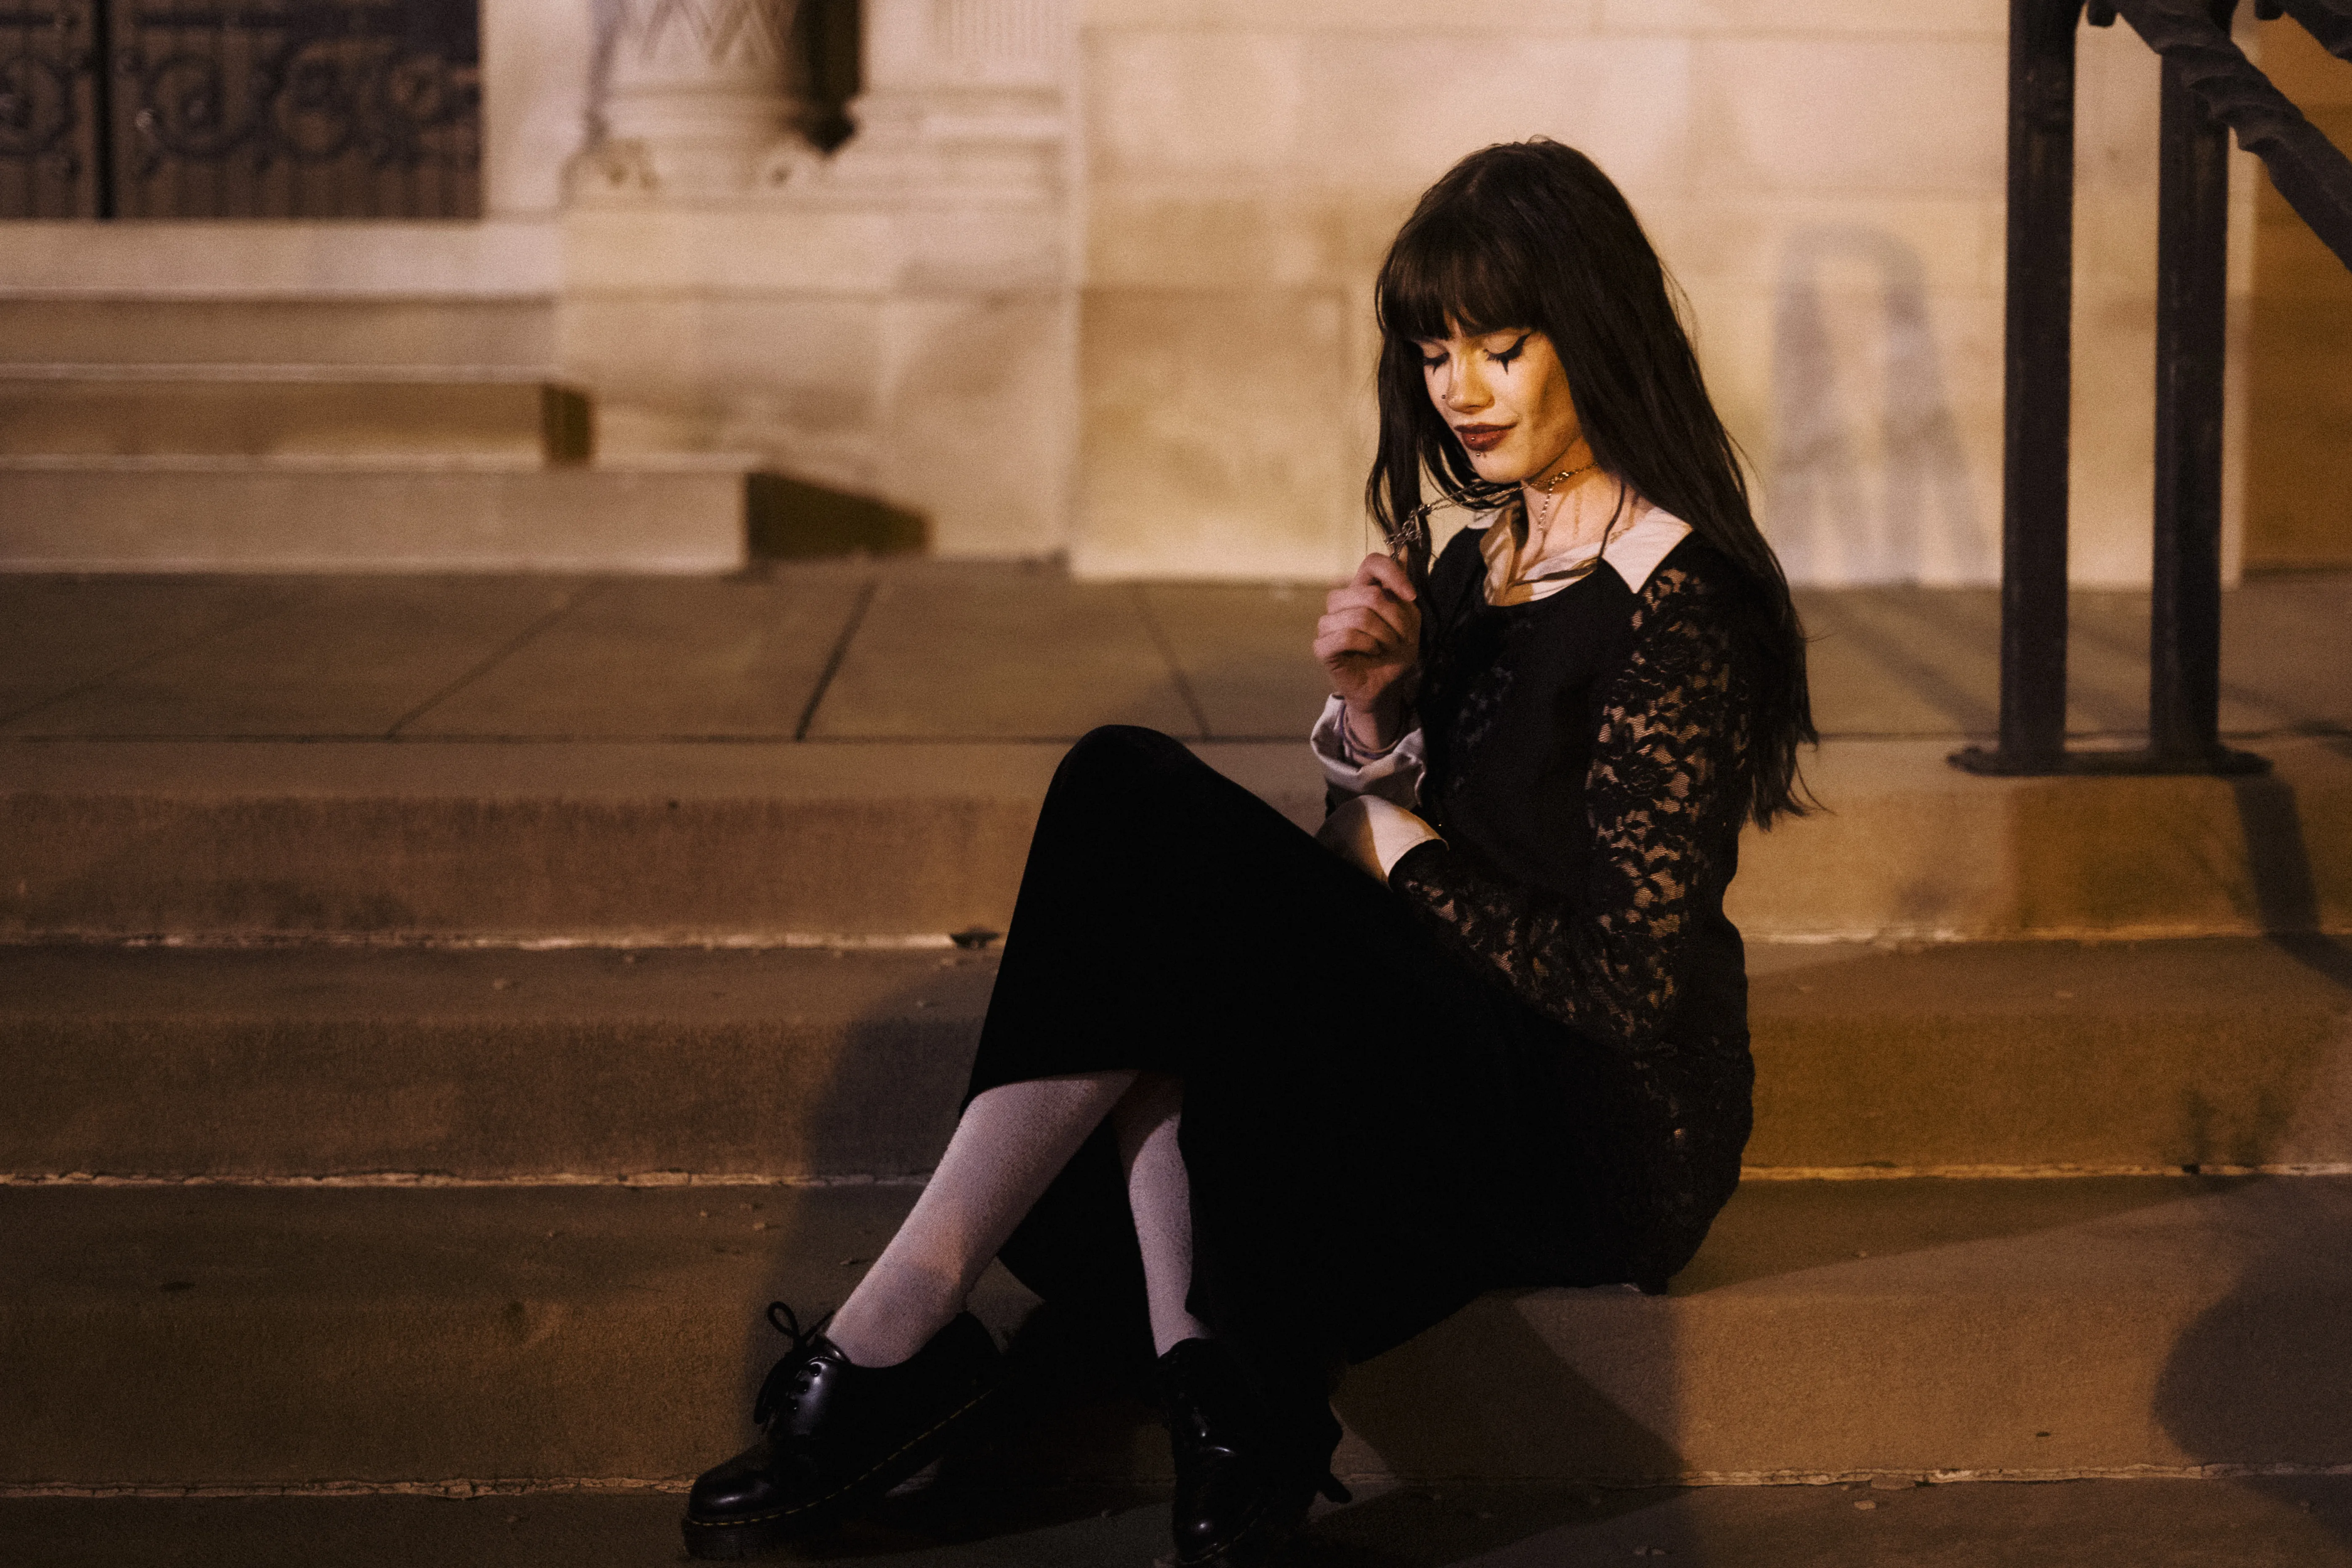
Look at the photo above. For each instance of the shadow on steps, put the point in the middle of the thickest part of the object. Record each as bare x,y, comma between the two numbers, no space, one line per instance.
2295,1419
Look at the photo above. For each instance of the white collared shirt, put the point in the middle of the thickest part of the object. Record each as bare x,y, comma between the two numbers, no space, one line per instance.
1380,824
1632,550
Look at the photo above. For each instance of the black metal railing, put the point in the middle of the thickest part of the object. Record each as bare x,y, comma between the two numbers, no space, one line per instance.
2209,90
255,109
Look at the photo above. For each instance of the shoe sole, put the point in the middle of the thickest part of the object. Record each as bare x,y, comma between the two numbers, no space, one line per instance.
1260,1541
730,1539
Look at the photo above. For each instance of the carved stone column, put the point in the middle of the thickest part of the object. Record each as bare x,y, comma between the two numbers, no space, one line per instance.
965,94
701,97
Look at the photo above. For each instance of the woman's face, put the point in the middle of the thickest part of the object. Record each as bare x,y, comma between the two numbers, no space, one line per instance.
1507,399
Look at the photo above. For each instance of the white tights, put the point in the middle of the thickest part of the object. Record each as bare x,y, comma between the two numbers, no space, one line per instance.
1010,1145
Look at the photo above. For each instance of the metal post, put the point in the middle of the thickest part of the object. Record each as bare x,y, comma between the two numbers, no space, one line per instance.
2191,317
2036,390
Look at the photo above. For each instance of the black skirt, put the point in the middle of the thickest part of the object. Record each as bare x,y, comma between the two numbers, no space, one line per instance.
1375,1133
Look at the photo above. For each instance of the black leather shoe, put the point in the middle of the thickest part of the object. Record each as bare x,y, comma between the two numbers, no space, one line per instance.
838,1435
1245,1470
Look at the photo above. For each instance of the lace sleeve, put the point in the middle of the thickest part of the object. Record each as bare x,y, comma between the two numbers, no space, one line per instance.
1672,741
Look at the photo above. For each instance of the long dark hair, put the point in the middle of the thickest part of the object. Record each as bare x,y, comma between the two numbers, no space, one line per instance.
1532,234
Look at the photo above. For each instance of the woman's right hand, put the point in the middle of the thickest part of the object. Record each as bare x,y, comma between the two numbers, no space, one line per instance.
1369,640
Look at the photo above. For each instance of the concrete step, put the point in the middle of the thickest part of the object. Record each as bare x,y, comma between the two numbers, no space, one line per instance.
2286,1521
652,841
1991,1058
485,1064
377,514
652,1065
300,411
516,332
266,1336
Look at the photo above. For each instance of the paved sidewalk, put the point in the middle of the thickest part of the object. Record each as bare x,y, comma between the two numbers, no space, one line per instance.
950,651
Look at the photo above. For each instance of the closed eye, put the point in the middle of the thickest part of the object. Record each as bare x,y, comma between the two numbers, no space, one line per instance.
1432,361
1505,358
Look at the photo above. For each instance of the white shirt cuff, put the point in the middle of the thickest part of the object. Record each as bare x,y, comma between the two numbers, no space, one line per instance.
1394,775
1373,834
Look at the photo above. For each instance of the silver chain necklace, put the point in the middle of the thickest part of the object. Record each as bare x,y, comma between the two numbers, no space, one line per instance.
1551,497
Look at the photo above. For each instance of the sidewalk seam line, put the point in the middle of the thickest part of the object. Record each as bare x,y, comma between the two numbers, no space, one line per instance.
1160,640
839,656
198,639
499,656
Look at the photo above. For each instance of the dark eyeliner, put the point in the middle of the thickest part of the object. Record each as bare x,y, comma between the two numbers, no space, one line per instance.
1509,354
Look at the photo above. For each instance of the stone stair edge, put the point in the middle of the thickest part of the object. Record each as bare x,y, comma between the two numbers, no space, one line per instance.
98,330
650,771
249,515
1847,768
1842,1521
735,840
1952,982
2026,1330
231,466
265,374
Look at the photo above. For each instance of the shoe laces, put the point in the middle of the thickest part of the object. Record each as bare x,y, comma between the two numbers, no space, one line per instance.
789,1378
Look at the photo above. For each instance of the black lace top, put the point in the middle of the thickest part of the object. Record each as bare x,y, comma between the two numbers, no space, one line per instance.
1585,753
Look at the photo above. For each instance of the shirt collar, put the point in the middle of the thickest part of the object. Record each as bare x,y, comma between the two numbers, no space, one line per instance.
1633,550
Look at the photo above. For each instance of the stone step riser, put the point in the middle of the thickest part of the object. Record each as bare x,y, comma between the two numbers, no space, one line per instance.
621,842
364,334
537,1104
641,871
119,418
502,1065
230,515
635,1101
1943,1328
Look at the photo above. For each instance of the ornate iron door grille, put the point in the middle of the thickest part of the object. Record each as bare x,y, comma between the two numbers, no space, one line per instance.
268,109
48,167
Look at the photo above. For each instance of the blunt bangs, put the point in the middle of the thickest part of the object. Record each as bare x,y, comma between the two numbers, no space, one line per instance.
1450,272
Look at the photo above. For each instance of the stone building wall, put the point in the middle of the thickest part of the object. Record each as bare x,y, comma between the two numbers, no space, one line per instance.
1824,177
1092,277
